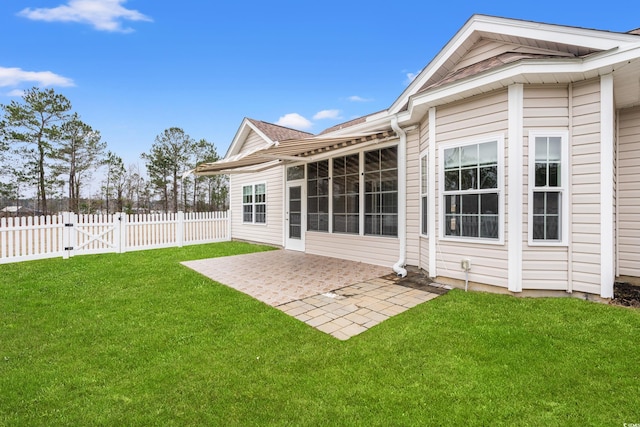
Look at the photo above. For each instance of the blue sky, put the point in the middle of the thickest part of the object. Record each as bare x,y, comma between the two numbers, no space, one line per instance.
134,68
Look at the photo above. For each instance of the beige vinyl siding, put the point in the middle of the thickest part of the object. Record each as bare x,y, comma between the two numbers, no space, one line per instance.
585,189
424,241
369,249
543,267
629,193
252,142
271,232
464,121
413,198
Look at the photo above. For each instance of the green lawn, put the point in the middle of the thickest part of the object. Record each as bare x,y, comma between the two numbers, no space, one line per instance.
137,339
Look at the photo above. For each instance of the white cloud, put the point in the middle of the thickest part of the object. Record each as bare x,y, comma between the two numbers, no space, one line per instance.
16,93
103,15
410,77
327,114
294,120
356,98
16,76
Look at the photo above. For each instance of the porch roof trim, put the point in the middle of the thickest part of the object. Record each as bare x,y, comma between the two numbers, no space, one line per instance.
290,150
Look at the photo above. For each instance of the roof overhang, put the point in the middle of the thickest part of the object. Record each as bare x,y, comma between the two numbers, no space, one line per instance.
624,65
291,151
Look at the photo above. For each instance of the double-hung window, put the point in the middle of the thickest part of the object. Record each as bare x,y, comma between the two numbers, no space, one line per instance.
471,190
424,192
548,201
254,203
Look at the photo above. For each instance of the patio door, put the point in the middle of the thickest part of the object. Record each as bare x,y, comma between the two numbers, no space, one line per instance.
294,216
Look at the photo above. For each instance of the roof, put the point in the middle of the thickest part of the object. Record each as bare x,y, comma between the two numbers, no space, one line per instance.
292,150
487,53
277,132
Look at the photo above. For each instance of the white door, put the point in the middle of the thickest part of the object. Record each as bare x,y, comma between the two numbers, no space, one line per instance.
294,217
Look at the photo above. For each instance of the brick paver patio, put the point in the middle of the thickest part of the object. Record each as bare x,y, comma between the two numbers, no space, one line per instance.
339,297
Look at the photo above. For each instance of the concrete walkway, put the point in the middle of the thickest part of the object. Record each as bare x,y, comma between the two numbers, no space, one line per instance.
339,297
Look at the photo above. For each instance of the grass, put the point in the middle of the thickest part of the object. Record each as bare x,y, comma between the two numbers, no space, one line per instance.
138,339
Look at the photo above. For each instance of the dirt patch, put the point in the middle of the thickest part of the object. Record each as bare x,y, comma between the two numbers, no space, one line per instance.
626,294
418,280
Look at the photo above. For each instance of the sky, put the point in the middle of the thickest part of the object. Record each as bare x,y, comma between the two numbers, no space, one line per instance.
133,68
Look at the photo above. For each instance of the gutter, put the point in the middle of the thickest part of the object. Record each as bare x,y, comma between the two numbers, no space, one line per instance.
398,267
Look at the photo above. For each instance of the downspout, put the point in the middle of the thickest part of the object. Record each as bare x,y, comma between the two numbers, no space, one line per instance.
398,267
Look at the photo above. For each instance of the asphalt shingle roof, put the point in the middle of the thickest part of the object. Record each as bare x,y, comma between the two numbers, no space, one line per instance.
277,132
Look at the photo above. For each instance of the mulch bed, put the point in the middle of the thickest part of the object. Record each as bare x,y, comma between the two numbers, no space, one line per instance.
626,294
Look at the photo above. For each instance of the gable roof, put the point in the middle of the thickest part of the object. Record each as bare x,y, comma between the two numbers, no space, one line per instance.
269,132
277,132
530,41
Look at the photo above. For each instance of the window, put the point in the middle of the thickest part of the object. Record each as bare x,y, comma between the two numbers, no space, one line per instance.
471,194
381,192
346,194
318,196
295,173
548,153
254,204
424,191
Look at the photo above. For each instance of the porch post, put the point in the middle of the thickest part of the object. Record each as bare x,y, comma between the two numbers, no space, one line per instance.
607,113
515,199
431,195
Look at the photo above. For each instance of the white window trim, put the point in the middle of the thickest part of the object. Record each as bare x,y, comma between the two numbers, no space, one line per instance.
253,203
564,189
499,138
424,192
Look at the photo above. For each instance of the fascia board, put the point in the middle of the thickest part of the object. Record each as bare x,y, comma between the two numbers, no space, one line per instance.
595,39
380,120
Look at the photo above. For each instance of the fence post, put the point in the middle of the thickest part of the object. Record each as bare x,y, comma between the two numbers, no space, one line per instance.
180,228
229,225
67,229
122,232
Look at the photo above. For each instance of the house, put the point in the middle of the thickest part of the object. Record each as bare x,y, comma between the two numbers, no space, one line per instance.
510,161
16,210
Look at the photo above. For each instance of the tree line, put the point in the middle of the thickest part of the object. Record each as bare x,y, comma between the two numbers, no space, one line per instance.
48,151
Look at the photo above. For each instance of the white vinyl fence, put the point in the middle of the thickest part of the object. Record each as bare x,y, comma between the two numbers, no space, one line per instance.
68,234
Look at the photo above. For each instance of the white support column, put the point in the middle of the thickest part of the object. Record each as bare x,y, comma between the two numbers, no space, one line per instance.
431,201
515,198
607,114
